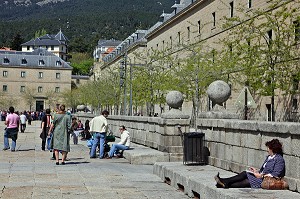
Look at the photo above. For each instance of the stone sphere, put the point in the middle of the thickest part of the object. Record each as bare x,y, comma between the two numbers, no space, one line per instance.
174,99
218,91
80,107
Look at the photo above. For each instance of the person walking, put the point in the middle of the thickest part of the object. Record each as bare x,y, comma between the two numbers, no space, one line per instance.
23,120
46,123
99,127
12,122
61,138
124,144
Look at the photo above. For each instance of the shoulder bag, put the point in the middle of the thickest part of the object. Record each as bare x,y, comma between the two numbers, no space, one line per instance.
274,183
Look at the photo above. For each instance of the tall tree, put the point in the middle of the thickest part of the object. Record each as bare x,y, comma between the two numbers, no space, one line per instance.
264,42
16,42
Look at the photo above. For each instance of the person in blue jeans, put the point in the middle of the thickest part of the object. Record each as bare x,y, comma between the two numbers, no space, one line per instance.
124,144
99,127
12,122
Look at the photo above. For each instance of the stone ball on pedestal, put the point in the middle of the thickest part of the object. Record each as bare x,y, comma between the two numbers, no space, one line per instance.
219,91
174,99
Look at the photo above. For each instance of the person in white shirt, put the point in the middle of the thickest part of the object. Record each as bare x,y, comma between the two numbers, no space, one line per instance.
23,120
99,127
124,144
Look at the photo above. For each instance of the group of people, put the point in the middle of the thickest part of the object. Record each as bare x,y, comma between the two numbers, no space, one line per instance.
60,125
99,127
57,128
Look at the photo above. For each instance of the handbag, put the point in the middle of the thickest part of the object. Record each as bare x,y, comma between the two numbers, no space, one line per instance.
274,183
110,137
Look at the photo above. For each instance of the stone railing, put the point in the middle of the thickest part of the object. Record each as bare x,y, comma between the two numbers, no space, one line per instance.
237,144
233,144
155,132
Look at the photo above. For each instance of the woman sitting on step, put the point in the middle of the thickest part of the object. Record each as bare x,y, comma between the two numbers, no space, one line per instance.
273,166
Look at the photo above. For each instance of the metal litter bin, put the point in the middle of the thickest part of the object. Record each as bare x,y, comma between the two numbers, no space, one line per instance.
193,148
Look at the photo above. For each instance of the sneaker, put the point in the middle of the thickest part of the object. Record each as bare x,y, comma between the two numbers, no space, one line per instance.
4,149
52,158
13,150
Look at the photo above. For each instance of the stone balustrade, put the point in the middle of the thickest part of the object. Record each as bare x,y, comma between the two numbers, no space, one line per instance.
235,145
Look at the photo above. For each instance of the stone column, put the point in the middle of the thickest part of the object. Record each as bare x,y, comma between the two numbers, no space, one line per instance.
172,124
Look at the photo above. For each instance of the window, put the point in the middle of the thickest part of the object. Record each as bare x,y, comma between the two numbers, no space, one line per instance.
179,39
249,3
214,19
41,62
57,89
40,89
163,45
171,43
297,30
199,26
52,47
58,63
5,73
24,61
295,83
6,60
231,9
4,88
57,76
270,34
295,104
28,47
40,75
22,89
23,74
188,33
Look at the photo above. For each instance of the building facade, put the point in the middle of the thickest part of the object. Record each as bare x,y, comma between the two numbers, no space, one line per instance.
32,80
56,44
204,29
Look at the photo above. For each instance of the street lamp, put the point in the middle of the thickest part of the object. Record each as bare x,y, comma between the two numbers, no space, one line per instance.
123,81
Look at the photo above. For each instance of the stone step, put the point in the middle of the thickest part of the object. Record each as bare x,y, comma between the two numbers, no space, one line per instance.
198,182
141,155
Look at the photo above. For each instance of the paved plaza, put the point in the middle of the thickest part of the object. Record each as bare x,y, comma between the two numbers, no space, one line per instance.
28,173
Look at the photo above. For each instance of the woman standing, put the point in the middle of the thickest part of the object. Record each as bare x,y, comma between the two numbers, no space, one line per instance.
46,123
273,166
61,137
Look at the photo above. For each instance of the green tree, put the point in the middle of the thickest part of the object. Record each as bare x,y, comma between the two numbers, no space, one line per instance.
81,63
16,42
29,97
40,33
263,42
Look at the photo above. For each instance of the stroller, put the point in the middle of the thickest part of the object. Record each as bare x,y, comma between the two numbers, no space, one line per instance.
109,138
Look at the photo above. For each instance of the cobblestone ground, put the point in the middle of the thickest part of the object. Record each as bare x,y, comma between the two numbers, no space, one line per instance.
28,173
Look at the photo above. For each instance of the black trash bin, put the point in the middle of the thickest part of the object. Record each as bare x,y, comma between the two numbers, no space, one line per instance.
193,148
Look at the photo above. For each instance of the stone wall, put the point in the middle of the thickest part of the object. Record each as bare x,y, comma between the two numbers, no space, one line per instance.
155,132
233,144
237,144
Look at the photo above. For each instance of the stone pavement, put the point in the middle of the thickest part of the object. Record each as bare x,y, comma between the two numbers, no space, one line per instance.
29,173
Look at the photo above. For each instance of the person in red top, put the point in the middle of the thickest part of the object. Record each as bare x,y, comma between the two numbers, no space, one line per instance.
12,122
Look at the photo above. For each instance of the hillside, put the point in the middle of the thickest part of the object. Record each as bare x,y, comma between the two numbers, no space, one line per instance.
82,21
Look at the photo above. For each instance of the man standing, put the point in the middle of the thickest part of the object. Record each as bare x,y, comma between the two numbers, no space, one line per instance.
12,122
98,126
23,120
122,145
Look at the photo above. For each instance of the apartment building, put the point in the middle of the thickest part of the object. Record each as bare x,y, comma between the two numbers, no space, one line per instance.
32,80
209,31
56,44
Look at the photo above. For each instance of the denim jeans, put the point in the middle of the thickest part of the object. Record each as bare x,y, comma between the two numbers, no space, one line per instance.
98,137
116,148
13,138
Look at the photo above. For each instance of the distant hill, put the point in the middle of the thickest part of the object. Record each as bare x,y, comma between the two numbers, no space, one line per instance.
84,22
